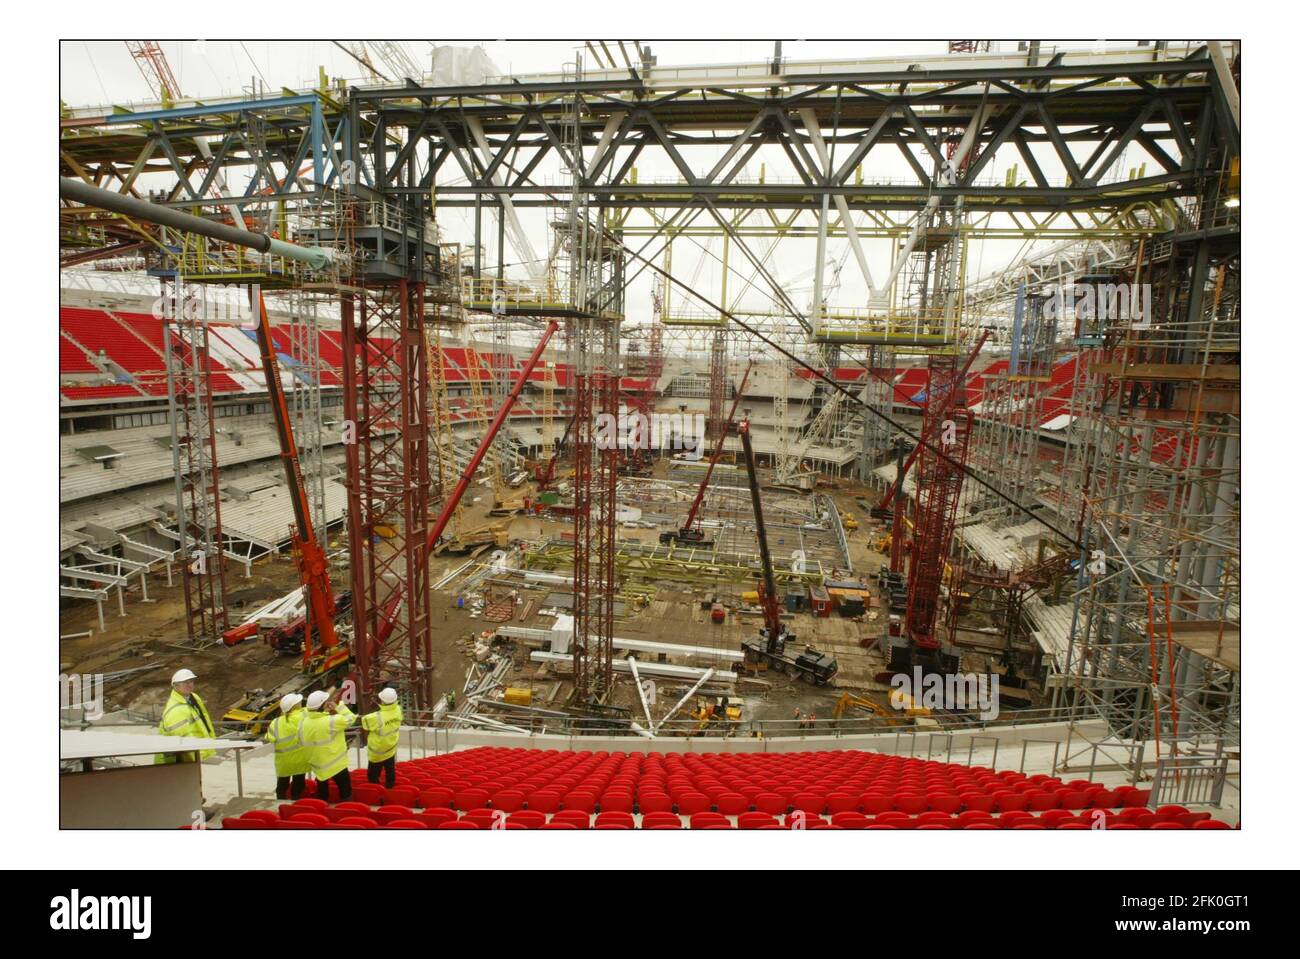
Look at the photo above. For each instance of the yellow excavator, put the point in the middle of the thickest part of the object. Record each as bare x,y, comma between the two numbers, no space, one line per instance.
894,717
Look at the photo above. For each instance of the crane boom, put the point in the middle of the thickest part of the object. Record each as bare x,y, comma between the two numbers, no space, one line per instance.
313,568
773,628
688,533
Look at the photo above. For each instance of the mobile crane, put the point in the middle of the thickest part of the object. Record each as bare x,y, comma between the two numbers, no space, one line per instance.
768,650
325,659
688,533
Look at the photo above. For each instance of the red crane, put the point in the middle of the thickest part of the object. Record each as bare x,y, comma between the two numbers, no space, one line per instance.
688,533
945,438
313,566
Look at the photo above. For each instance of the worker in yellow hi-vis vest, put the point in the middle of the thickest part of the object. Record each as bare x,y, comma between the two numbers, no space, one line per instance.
383,729
292,759
324,730
185,715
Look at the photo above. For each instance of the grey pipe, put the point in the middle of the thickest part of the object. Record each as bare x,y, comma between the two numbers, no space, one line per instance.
69,189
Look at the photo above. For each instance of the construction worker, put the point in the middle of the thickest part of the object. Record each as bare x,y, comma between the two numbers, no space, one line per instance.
383,729
324,731
185,715
292,760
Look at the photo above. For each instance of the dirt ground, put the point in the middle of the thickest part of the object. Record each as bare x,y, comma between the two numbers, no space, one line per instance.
149,633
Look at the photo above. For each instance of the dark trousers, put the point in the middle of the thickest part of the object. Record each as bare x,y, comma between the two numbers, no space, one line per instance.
290,787
388,767
342,780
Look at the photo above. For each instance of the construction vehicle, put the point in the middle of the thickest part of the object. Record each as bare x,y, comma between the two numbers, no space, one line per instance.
892,716
723,709
689,533
768,651
467,540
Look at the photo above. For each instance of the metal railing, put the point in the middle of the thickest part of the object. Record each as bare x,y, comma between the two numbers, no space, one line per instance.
1190,780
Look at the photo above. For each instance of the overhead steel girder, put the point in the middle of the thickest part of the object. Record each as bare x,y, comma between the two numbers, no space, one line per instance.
1166,121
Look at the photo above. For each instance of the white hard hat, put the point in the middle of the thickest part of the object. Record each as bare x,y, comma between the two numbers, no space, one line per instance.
181,676
290,701
388,696
317,699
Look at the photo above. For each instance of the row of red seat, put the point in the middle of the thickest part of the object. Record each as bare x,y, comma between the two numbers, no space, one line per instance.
814,783
316,814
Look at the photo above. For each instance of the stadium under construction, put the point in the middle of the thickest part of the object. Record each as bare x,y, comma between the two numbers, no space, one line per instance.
843,443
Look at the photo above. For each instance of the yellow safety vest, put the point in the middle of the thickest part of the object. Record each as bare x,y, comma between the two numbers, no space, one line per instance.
179,718
323,737
291,756
384,730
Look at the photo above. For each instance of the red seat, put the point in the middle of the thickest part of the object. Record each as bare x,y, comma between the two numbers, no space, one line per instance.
368,793
1040,801
756,820
576,818
295,824
387,814
1013,818
265,816
771,803
350,808
436,796
1204,824
662,820
436,817
401,796
618,818
458,824
849,819
1172,812
813,803
692,802
508,800
1073,799
560,825
238,822
654,802
1054,818
544,801
700,820
1167,824
471,797
944,802
982,824
732,804
314,819
1011,802
616,801
528,818
405,824
486,818
911,805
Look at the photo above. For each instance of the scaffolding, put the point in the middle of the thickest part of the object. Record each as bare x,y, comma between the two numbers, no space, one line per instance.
594,268
194,458
1155,645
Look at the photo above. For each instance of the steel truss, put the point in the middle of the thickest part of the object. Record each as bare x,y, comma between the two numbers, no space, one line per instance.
386,397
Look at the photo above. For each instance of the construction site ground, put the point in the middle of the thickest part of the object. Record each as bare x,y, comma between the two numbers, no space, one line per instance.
150,635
